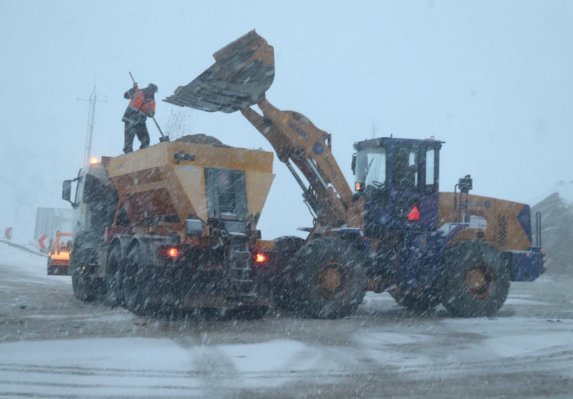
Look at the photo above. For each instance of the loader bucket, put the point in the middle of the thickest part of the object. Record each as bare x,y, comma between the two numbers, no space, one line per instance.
243,71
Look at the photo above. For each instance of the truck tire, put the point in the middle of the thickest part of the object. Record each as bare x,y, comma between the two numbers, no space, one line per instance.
285,248
476,280
86,287
135,281
327,278
81,284
417,300
113,278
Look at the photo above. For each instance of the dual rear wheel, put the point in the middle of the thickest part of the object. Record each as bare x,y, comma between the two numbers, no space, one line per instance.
132,283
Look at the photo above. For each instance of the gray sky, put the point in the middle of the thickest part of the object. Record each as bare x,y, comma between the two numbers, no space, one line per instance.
493,79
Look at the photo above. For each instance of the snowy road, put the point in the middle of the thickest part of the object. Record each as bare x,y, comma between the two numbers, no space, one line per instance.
53,346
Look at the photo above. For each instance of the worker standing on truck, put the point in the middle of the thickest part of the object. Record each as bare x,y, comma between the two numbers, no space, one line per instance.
141,105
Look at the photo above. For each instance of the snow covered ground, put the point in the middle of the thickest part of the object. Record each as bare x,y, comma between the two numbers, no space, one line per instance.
53,346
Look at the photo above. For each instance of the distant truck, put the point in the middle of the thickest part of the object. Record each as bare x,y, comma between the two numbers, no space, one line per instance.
172,226
59,254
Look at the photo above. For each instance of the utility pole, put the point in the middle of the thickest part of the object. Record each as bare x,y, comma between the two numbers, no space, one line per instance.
92,100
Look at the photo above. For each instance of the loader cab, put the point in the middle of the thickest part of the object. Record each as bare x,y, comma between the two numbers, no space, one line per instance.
399,179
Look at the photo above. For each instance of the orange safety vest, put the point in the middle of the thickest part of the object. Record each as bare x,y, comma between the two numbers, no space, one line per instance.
142,104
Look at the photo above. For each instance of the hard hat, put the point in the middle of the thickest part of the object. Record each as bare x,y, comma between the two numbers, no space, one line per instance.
152,86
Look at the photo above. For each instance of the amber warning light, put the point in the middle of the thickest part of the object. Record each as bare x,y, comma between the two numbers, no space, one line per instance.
261,258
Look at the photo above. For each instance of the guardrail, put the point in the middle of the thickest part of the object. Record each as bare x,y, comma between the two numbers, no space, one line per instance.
19,246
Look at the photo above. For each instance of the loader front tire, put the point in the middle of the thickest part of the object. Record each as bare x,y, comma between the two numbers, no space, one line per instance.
328,279
476,280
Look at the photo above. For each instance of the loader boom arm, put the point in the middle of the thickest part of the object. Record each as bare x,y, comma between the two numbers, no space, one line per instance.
242,73
296,140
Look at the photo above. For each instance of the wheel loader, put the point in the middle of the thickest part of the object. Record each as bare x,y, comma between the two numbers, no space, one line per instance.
395,232
59,254
172,226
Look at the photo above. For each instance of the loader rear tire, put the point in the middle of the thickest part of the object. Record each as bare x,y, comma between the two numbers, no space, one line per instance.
476,280
327,277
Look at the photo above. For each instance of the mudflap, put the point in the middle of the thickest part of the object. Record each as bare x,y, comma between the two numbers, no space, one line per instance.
524,265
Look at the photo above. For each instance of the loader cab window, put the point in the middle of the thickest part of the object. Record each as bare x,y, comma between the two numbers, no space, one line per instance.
405,169
226,194
430,170
371,167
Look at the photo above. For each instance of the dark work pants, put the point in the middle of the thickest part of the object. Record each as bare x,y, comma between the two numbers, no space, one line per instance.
131,130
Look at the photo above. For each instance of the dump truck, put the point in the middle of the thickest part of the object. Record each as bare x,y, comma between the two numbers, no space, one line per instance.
172,226
394,232
59,254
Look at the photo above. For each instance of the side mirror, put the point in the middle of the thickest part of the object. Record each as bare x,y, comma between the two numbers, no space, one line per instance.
353,165
67,190
465,184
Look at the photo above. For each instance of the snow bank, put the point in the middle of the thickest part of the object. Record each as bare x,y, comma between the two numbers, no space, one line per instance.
27,262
